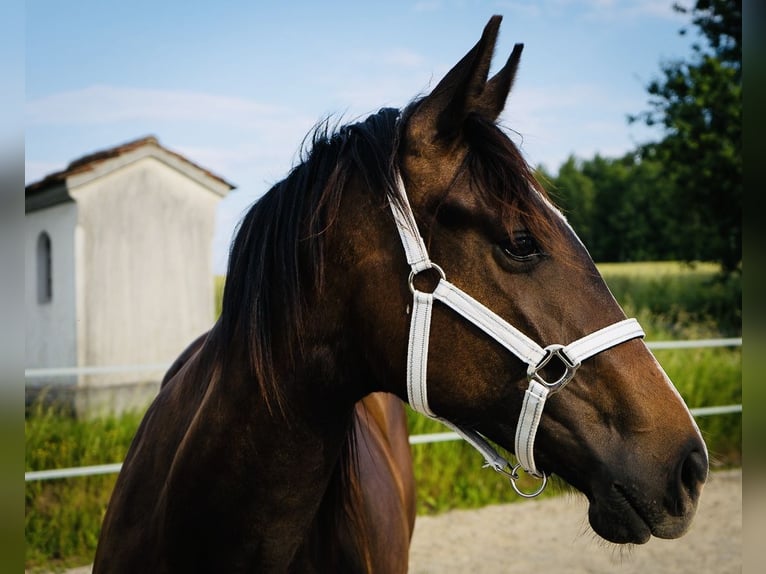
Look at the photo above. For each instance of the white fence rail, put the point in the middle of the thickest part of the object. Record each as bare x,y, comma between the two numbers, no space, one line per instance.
72,472
55,372
414,440
698,343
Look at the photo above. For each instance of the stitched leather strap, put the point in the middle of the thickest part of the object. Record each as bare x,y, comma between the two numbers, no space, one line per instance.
414,247
417,353
526,428
486,320
604,339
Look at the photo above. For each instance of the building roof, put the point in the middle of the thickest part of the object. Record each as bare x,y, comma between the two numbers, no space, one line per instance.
53,188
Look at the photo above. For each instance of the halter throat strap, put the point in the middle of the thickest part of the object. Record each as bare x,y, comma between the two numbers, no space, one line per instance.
536,357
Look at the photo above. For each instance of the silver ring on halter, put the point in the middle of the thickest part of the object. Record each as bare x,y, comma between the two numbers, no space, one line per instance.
570,368
413,274
513,476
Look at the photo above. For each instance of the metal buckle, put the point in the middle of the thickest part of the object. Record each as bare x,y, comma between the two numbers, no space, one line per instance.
570,368
513,477
432,265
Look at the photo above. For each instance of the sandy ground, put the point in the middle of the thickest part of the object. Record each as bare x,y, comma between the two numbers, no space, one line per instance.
553,536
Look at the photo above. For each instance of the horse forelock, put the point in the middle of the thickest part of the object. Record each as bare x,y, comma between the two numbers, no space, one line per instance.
499,172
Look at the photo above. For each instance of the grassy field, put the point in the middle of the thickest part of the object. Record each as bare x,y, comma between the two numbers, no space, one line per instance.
671,301
679,298
63,517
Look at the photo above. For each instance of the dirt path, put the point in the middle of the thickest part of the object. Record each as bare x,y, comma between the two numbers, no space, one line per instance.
552,536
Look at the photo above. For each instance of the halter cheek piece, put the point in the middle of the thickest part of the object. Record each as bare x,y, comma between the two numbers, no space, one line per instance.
535,356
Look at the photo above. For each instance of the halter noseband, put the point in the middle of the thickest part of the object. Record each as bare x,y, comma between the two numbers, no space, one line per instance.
535,356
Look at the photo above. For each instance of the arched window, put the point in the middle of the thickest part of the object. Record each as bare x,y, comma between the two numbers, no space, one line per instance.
44,269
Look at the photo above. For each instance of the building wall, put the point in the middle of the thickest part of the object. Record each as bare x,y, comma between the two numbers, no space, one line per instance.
51,325
145,235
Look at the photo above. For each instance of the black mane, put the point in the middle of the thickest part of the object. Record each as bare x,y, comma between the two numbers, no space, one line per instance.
276,260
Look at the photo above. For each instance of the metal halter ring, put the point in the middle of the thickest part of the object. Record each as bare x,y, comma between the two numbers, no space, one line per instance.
513,476
570,368
433,265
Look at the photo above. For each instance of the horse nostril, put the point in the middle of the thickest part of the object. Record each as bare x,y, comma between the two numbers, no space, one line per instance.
693,472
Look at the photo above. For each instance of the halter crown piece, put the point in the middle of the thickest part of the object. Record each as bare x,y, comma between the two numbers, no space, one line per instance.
535,356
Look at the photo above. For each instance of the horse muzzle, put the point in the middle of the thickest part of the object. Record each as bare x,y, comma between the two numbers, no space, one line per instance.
630,508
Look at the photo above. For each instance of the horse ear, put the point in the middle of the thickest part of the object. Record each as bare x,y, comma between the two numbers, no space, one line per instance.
441,114
492,100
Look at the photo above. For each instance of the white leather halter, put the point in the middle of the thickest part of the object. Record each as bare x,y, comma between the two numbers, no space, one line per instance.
535,356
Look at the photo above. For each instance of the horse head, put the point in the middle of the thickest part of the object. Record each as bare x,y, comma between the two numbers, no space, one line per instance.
616,429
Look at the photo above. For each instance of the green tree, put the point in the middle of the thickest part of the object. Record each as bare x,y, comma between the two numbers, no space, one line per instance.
699,104
620,208
575,194
647,198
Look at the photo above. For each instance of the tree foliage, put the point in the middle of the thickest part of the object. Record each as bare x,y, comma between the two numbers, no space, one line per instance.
680,197
698,103
619,207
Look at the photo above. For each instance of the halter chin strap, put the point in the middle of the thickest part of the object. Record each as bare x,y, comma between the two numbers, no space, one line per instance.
527,350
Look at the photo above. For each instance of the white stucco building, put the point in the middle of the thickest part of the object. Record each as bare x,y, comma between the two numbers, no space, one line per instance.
118,252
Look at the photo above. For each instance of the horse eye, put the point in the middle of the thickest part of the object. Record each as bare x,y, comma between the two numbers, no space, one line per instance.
521,247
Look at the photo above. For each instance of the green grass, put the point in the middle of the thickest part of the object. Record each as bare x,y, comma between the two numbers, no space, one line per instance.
671,301
220,282
63,516
679,296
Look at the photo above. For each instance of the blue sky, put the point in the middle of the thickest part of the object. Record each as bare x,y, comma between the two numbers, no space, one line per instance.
236,85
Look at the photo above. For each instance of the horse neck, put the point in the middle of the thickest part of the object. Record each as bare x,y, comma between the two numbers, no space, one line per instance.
271,465
259,474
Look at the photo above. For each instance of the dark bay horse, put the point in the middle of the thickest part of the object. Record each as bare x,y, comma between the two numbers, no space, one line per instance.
257,454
